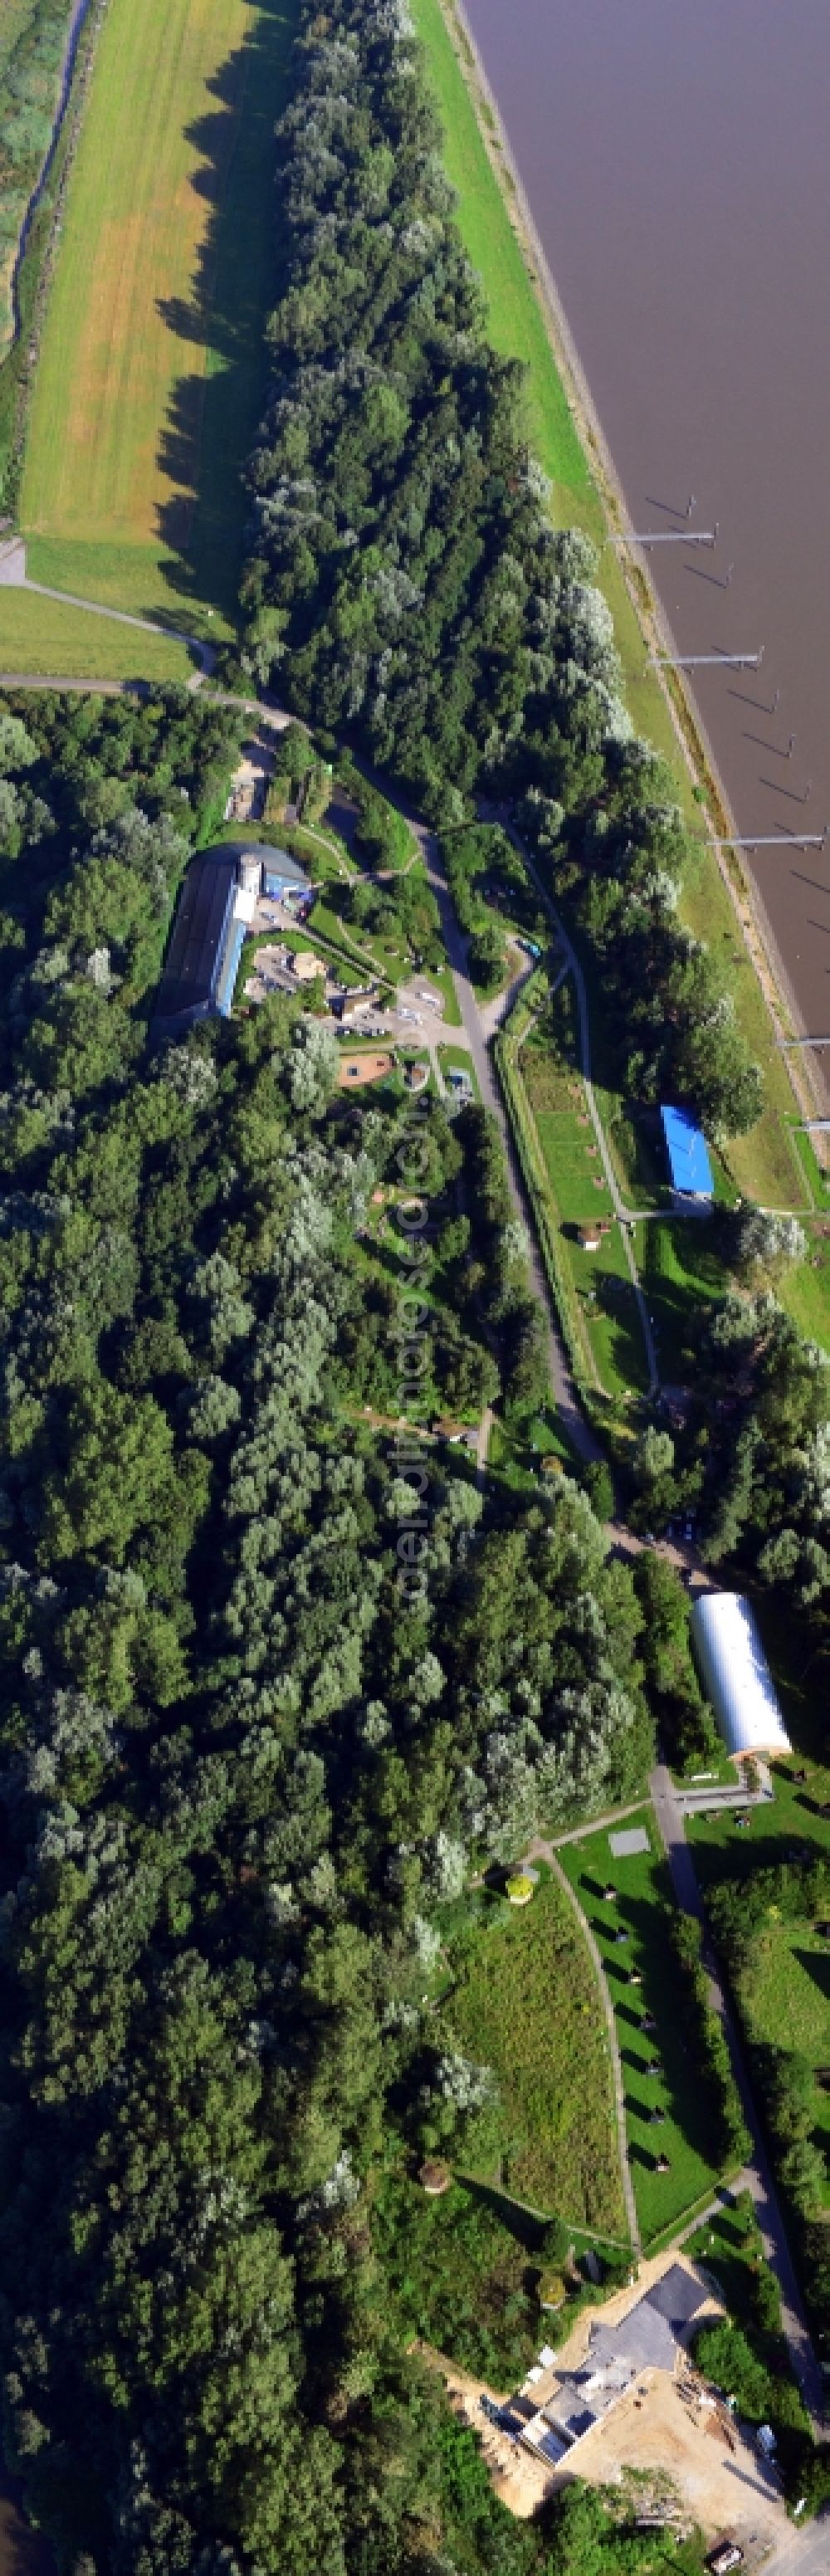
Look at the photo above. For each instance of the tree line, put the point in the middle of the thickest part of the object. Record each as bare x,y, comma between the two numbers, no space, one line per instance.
742,1912
406,583
239,1771
31,55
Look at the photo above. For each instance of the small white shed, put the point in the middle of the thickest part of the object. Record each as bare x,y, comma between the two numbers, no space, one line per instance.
735,1672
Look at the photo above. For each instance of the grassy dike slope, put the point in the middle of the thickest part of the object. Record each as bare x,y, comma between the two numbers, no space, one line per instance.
764,1163
47,639
151,374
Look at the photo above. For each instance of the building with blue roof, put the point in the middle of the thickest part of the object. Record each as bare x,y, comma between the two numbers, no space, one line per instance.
688,1153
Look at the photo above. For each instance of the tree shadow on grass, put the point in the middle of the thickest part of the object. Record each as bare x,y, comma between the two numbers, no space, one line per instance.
817,1965
519,2223
682,2093
213,416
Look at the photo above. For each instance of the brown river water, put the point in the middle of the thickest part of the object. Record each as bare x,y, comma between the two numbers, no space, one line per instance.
676,157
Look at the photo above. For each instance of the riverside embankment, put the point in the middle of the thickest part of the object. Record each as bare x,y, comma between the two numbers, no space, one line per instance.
675,173
526,318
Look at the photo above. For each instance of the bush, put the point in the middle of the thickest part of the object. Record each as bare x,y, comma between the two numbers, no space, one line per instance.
725,2356
713,2059
599,1487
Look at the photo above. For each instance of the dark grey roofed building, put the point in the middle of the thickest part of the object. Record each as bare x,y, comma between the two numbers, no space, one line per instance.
282,876
677,2296
193,966
648,2337
215,907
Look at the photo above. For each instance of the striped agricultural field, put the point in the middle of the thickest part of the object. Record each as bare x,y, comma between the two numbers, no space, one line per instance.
150,374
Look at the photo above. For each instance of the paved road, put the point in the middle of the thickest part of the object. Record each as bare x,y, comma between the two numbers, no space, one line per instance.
55,680
757,2176
578,1431
493,1012
803,2552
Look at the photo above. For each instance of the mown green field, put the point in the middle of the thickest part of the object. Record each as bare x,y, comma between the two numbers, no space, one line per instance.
681,1274
458,1058
514,317
573,1161
644,1909
151,372
40,638
793,1818
524,2002
789,1993
600,1281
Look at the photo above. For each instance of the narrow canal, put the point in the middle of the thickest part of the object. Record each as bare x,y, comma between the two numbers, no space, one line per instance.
677,167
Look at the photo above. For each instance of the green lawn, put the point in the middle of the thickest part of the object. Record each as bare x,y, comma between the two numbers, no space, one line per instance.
681,1275
603,1281
805,1291
524,2002
733,2254
152,369
787,1998
515,318
441,977
572,1160
791,1821
723,2247
817,1182
644,1909
514,1463
40,638
683,1272
330,955
374,956
451,1058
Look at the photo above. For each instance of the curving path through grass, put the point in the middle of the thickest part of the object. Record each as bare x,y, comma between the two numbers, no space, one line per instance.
13,576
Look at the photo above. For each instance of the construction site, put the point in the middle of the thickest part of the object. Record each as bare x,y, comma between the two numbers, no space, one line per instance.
622,2405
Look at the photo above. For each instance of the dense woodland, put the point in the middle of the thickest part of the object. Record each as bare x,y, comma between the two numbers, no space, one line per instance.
406,584
752,1459
243,1765
240,1768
